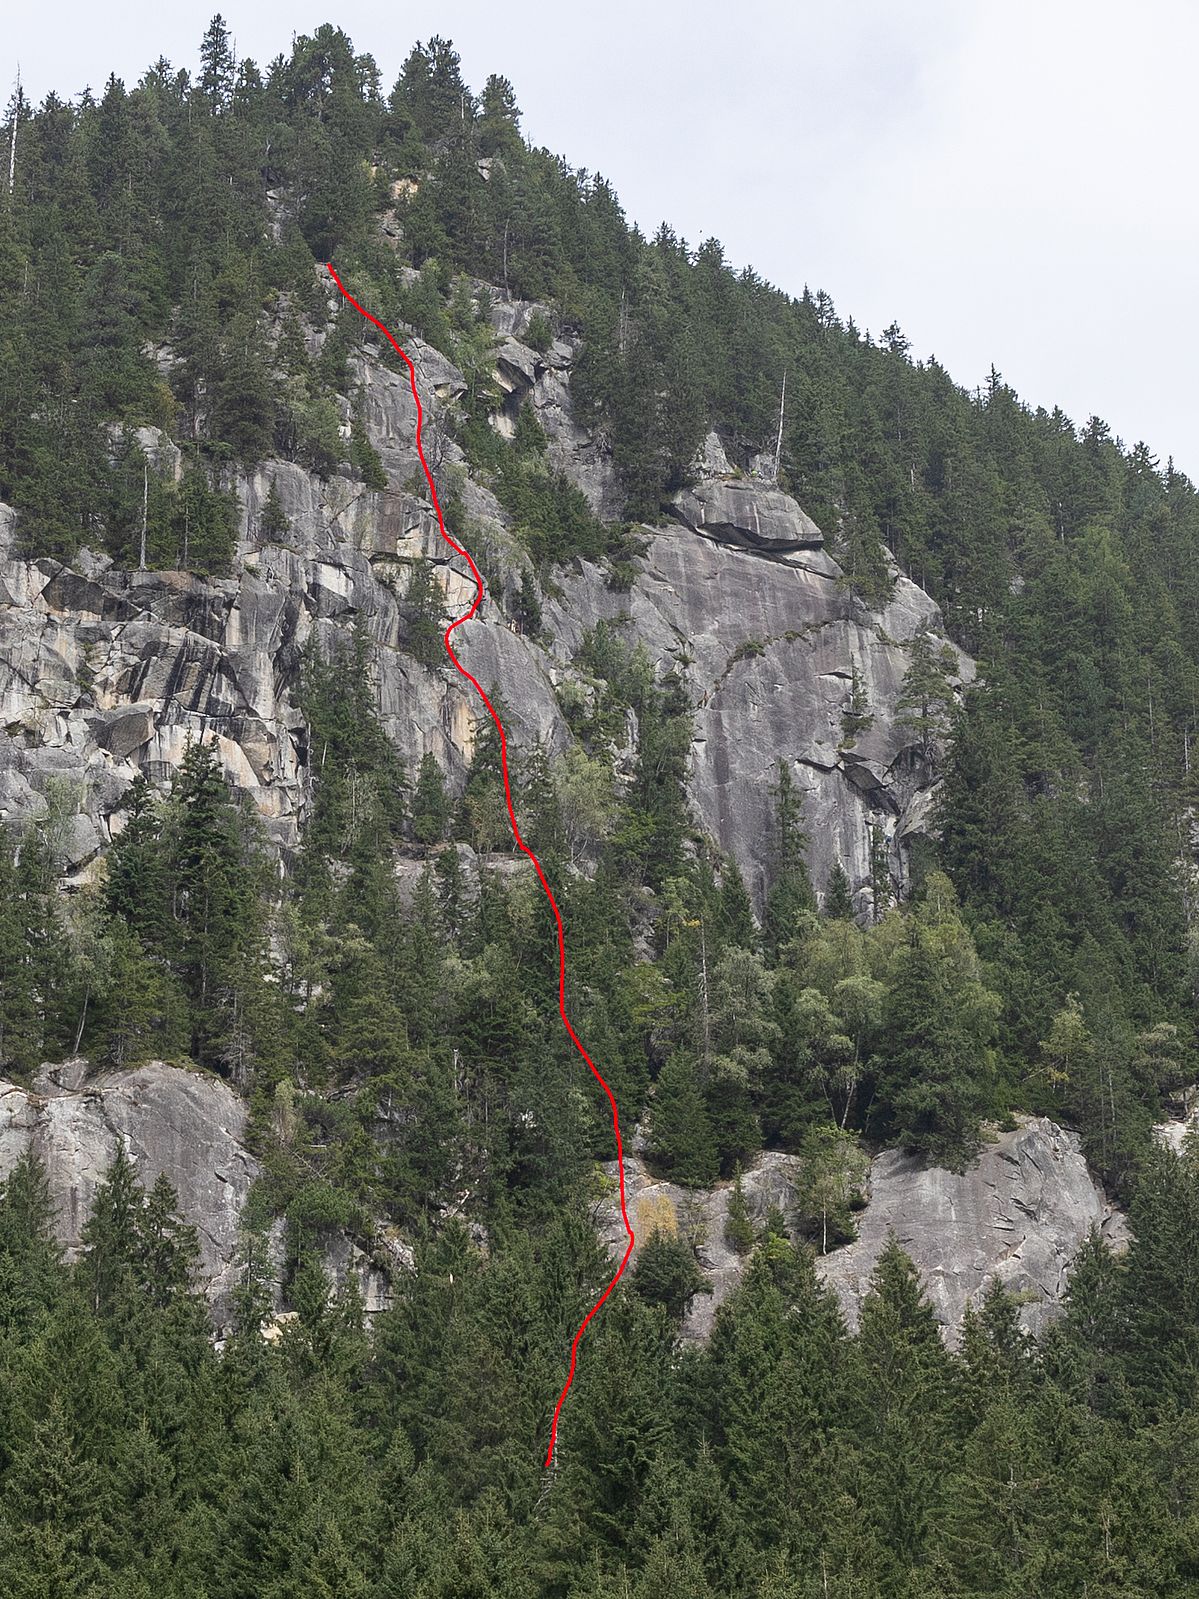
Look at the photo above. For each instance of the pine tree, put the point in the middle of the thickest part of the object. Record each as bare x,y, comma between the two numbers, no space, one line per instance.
901,1396
856,716
215,930
926,701
142,1015
838,899
499,118
935,1077
1160,1315
215,82
666,1274
57,1512
31,1272
111,1237
242,416
791,890
424,606
274,521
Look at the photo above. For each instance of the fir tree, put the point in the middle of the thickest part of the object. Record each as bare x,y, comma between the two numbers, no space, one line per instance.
926,701
738,1228
838,899
430,803
681,1137
791,890
216,66
274,521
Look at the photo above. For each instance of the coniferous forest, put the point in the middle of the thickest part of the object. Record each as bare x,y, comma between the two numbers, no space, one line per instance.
1042,961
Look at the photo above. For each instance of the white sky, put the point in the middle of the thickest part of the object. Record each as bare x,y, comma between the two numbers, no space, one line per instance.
1011,182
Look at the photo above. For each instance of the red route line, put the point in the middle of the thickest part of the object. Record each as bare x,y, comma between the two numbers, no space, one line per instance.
520,843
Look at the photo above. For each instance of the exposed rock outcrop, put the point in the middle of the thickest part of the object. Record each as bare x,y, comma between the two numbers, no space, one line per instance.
104,672
747,515
1018,1215
186,1124
1173,1134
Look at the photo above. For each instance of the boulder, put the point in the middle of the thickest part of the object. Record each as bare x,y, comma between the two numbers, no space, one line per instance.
748,515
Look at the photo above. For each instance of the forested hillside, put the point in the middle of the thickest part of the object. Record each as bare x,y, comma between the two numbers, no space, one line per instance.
383,993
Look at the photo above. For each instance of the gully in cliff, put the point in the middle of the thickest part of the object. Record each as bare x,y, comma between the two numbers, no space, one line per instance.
521,845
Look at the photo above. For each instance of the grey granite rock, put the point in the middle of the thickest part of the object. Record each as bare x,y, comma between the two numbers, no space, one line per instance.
190,1126
105,673
186,1124
747,515
1018,1215
1183,1124
767,651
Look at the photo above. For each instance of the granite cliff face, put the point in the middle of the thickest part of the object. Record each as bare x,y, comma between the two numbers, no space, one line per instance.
1017,1215
105,672
186,1124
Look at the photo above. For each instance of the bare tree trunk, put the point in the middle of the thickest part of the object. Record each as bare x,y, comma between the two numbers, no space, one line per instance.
12,143
778,443
141,554
87,994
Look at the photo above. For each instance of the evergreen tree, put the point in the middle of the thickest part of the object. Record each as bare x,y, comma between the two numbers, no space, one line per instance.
424,604
935,1078
926,701
274,521
902,1387
215,82
681,1138
738,1227
666,1274
838,900
430,803
791,890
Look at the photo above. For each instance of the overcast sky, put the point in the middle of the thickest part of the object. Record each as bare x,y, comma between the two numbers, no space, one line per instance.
1013,183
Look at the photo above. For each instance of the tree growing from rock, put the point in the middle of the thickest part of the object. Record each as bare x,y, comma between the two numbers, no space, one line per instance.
738,1227
829,1180
926,701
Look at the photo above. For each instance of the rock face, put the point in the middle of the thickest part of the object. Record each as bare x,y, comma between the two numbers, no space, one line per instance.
768,650
185,1124
1018,1214
104,673
699,1215
1173,1134
748,516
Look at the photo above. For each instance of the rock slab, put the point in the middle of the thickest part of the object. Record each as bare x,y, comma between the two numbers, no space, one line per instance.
1017,1215
182,1122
